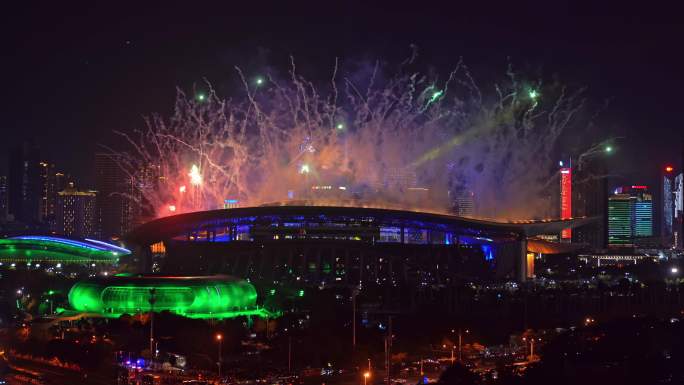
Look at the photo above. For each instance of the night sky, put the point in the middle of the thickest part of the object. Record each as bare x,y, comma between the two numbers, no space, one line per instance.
73,73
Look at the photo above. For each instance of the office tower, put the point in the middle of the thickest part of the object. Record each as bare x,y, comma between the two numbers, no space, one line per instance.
566,199
666,219
76,213
590,199
462,203
48,191
678,222
630,215
643,212
621,220
62,181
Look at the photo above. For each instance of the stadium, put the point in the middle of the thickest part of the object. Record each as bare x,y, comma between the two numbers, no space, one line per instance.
53,250
327,245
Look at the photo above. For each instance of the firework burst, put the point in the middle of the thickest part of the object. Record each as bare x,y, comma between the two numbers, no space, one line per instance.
409,141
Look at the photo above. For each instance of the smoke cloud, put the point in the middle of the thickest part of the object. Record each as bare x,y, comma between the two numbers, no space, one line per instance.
380,138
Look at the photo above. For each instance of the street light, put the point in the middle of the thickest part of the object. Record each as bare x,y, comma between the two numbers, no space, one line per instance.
460,344
152,300
219,338
531,348
366,376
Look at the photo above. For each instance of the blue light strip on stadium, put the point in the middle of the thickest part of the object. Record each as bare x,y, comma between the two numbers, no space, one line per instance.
62,241
98,246
109,245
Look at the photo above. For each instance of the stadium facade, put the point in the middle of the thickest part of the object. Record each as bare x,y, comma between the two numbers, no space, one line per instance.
346,246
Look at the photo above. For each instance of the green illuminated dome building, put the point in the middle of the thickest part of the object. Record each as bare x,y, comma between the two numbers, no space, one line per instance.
193,297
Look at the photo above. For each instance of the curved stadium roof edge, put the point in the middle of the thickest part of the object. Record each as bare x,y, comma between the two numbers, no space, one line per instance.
170,226
58,249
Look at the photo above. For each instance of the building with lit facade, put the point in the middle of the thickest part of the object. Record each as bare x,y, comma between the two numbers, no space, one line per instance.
643,214
48,191
76,214
667,207
621,220
678,223
566,199
462,203
630,215
345,246
399,179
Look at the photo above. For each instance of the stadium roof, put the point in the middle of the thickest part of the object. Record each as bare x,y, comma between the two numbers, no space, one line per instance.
172,226
195,297
51,249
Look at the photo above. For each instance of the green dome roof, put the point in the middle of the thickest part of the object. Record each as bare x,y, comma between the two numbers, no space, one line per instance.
196,297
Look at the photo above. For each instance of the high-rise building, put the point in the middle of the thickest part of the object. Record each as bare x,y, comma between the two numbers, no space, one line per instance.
566,199
667,211
590,199
621,220
112,184
678,223
76,213
462,203
3,198
148,178
48,191
630,215
62,181
24,183
399,178
643,213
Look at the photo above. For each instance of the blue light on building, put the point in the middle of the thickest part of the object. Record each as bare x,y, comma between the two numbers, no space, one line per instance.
488,252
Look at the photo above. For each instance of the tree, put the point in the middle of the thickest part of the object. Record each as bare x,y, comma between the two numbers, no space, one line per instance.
458,374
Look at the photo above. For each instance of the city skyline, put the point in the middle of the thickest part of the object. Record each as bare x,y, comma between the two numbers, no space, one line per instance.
341,193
